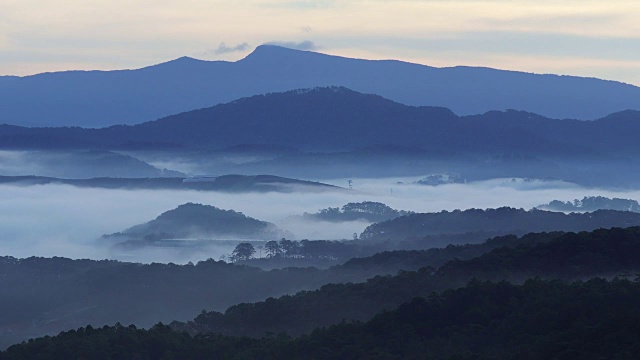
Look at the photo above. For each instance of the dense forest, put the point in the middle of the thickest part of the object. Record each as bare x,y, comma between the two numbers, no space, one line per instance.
482,320
43,296
367,210
592,203
568,256
426,230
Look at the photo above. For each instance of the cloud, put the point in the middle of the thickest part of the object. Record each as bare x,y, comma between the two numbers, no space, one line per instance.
224,49
302,45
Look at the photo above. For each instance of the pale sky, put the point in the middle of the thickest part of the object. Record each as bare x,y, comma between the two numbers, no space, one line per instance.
576,37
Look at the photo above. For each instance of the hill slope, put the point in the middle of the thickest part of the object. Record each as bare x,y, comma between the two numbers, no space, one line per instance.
474,225
194,221
336,119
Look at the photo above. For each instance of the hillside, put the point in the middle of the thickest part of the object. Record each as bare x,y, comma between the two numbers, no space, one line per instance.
226,183
570,256
42,296
197,221
483,320
592,203
421,231
364,211
338,119
103,98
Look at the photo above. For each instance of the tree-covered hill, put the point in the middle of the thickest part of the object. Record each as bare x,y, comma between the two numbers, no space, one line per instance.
482,320
569,256
197,221
364,211
44,296
592,203
426,230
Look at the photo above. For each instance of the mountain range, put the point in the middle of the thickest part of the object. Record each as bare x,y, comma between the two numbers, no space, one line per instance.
336,119
103,98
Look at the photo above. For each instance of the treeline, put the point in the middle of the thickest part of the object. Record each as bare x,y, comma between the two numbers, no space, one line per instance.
365,211
483,320
569,256
592,203
422,231
325,253
304,249
44,296
41,295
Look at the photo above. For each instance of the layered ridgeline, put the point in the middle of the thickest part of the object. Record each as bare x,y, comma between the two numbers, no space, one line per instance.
102,98
330,119
42,296
225,183
569,256
426,230
592,203
77,164
197,221
544,318
596,319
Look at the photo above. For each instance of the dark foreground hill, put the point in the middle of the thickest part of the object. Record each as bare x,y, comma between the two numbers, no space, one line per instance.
102,98
44,296
570,256
422,231
482,320
597,319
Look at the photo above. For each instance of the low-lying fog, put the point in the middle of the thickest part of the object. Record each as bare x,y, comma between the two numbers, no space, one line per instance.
61,220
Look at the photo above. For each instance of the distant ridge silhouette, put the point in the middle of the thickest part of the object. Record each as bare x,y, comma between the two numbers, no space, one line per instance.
339,119
103,98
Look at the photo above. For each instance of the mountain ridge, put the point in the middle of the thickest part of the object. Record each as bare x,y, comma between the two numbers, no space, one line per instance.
103,98
337,118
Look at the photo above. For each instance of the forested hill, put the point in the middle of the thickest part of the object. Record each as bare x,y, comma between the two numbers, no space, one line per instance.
332,119
597,319
363,211
569,256
197,221
539,319
474,225
592,203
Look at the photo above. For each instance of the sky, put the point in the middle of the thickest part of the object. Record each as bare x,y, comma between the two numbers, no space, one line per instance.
574,37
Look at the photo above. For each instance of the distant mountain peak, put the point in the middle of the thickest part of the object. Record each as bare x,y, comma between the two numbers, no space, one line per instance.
276,54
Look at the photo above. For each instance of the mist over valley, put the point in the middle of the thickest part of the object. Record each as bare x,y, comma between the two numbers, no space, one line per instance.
296,204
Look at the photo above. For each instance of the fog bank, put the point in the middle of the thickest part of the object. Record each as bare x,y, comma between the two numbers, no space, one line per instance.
61,220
